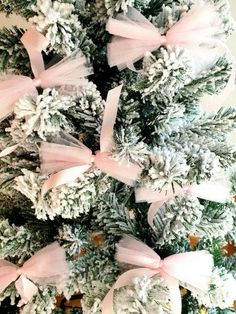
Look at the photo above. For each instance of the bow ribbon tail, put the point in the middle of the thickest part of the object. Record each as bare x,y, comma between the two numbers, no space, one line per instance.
67,158
71,70
199,25
26,289
63,177
153,209
34,43
125,172
174,292
109,118
122,281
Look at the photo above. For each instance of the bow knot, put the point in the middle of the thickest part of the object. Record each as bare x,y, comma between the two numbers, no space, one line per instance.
37,82
19,271
163,40
161,265
72,158
93,158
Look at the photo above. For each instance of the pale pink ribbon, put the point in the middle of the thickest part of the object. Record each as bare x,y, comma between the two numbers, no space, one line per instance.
217,190
192,268
47,267
134,34
70,71
71,158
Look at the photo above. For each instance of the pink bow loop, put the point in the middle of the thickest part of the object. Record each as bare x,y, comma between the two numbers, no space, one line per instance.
71,158
192,268
71,70
39,269
134,34
35,43
128,251
109,119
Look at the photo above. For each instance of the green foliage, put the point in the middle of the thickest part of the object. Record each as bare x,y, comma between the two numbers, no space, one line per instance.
165,75
210,81
114,6
217,220
179,218
87,114
220,311
22,7
73,238
17,242
42,302
219,123
145,295
160,126
96,271
46,115
59,22
113,217
189,304
13,56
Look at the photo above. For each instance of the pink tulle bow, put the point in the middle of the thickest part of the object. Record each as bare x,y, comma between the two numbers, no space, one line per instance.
215,190
71,70
134,34
193,269
68,159
48,266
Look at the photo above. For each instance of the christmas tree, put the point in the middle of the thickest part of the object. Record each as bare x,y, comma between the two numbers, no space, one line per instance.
116,186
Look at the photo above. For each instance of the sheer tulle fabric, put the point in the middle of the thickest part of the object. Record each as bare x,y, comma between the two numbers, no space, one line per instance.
134,34
128,251
71,70
39,269
56,157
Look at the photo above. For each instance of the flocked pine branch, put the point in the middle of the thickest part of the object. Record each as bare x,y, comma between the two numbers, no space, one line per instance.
22,7
13,56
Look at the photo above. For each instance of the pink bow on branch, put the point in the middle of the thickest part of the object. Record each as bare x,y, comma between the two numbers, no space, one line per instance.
192,268
134,34
47,267
217,190
69,71
71,158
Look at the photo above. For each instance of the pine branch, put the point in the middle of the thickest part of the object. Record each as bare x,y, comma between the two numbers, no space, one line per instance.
22,7
13,55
